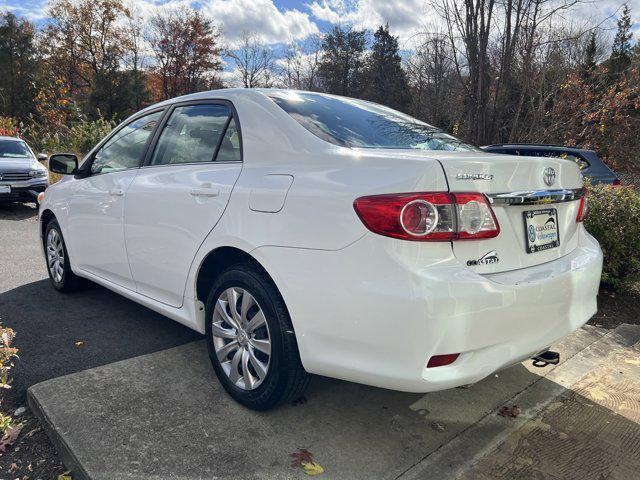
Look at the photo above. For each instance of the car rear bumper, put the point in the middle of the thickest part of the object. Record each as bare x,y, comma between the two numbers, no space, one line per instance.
376,311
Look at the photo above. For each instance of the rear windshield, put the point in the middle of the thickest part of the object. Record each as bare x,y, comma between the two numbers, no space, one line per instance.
14,149
355,123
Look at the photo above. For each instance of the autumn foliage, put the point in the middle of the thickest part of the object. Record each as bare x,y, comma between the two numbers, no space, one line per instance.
9,429
602,114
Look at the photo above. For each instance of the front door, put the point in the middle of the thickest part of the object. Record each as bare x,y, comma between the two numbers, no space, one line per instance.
96,203
179,195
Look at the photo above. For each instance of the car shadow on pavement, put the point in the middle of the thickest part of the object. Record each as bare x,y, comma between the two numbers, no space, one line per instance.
58,334
17,211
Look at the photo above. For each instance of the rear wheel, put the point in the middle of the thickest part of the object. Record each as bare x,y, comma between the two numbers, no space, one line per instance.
250,339
58,265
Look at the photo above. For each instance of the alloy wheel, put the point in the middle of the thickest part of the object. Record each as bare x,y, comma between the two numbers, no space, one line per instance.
55,255
241,338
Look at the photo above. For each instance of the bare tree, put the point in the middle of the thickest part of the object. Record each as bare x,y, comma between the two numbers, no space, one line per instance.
254,62
432,77
300,64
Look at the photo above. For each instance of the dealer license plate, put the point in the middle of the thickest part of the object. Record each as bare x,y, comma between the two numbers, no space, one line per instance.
541,229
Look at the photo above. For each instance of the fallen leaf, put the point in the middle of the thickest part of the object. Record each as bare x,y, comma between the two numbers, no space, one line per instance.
511,412
440,427
312,468
13,467
300,456
79,344
65,476
10,435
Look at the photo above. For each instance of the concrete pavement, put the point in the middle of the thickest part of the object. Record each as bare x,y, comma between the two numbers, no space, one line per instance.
164,416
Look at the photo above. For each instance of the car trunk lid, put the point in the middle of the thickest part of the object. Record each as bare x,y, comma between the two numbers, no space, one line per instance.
531,197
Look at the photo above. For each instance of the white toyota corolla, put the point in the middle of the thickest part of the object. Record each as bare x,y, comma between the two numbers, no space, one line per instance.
308,233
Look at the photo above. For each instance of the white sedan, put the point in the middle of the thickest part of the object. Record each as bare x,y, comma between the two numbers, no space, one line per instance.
313,234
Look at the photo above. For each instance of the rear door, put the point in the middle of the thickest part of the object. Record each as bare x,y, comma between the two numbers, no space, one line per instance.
530,195
180,194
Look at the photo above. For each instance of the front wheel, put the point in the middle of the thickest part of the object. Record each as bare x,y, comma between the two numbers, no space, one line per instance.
250,340
58,265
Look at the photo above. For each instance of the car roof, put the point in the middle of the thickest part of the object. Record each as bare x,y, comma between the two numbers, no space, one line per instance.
537,146
230,94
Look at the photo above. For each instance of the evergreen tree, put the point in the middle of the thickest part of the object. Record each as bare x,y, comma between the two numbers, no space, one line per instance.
589,63
20,66
386,80
635,61
341,68
621,50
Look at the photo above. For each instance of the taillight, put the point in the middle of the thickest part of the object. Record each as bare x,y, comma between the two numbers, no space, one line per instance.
475,217
438,216
582,208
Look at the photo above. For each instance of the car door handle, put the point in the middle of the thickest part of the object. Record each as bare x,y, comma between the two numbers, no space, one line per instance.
205,192
116,192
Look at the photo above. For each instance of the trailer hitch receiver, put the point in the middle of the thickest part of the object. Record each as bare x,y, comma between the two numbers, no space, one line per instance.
546,358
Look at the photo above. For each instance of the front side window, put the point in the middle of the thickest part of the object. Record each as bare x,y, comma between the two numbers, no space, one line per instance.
355,123
14,149
125,149
195,133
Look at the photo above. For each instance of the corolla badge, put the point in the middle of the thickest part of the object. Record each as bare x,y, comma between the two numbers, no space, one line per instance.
549,176
487,259
474,176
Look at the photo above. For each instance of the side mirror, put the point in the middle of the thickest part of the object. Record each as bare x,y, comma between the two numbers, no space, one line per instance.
42,157
63,163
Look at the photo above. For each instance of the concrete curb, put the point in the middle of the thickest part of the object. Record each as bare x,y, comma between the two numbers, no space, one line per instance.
64,451
452,459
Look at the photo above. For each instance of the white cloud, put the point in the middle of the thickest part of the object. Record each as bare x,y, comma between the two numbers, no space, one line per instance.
259,18
406,18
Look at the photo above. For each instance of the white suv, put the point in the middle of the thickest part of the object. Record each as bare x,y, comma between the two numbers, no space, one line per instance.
22,175
307,233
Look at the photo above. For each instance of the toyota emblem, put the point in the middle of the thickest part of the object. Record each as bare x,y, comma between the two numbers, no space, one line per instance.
549,176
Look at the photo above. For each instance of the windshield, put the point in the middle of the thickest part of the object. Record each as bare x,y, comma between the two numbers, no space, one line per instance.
355,123
14,149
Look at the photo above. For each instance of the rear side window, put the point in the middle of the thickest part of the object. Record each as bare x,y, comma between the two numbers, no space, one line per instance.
198,133
124,149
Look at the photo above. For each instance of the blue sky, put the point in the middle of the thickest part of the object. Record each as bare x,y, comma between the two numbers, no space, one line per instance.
283,21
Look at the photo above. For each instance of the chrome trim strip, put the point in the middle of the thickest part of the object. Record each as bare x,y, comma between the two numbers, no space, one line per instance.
536,197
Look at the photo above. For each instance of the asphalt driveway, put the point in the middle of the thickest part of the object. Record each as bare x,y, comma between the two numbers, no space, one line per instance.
50,325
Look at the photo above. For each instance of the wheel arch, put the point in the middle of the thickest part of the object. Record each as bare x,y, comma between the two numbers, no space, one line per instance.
221,258
218,260
46,216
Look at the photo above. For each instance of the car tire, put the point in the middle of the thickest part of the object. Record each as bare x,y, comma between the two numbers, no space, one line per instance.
57,260
241,367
